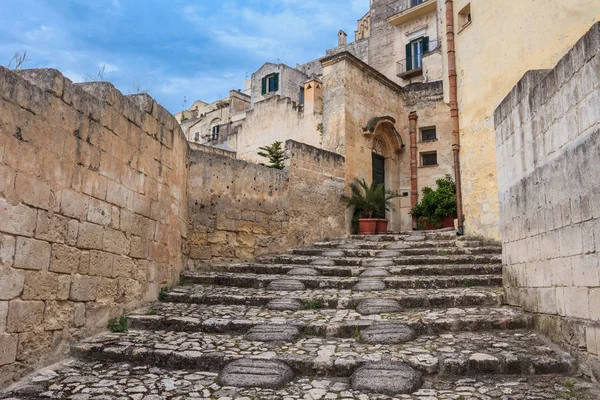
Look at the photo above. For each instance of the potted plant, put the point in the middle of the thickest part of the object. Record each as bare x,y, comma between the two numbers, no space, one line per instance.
437,208
367,201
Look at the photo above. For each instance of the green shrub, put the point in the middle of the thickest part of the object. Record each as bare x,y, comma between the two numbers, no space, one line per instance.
164,294
118,325
436,204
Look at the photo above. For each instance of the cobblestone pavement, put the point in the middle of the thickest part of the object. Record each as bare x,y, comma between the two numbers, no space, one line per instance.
413,316
78,380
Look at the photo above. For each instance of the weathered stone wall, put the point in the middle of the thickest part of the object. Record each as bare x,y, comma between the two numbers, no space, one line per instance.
537,37
92,209
354,94
241,210
213,150
290,81
276,119
548,152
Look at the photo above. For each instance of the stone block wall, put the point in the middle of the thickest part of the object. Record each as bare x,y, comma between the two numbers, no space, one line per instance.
548,152
93,210
275,119
240,210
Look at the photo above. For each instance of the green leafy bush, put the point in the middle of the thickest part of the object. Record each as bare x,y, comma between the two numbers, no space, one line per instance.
118,325
436,204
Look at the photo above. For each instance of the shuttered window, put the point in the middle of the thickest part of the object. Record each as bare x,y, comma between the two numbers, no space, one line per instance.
270,84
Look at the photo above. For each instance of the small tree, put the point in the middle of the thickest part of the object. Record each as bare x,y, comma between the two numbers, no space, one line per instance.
275,153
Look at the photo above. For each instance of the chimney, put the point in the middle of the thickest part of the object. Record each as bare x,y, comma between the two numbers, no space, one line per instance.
342,38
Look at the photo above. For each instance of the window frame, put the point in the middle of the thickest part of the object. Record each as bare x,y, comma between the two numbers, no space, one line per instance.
411,54
428,128
270,83
429,153
215,133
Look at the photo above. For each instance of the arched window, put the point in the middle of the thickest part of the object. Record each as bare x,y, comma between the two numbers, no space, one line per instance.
377,146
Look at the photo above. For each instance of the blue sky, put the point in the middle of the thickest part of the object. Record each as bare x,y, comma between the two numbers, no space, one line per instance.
195,48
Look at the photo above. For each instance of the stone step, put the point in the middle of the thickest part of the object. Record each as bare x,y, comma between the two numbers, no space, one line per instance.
433,251
414,236
342,271
258,281
335,298
348,244
322,322
82,380
458,353
385,259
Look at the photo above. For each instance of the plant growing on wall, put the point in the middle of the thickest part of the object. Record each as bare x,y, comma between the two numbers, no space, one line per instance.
436,204
16,63
222,104
275,154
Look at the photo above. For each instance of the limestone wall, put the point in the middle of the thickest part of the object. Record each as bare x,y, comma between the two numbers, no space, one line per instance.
537,37
92,211
241,210
275,119
548,152
354,94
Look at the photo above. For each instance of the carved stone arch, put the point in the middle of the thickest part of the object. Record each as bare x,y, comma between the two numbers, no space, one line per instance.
385,124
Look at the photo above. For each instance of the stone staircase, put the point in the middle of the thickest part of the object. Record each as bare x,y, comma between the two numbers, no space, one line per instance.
409,316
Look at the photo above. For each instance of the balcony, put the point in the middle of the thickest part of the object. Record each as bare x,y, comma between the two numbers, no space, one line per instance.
411,67
401,11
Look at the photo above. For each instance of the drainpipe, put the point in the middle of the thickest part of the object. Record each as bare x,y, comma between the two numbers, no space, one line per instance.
454,110
412,120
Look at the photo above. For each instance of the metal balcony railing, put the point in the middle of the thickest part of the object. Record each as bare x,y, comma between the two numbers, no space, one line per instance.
399,6
415,63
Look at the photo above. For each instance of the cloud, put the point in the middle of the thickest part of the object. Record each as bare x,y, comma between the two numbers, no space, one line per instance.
198,49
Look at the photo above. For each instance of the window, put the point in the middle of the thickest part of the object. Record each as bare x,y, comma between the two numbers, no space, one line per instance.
301,95
270,84
464,16
414,3
428,134
414,53
215,133
428,159
197,136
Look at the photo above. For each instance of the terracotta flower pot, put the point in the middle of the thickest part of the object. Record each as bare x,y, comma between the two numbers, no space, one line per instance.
448,221
367,226
382,224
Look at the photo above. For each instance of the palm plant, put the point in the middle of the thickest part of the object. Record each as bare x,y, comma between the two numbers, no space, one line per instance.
369,200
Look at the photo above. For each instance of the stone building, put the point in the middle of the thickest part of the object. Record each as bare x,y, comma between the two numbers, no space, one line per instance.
104,201
370,124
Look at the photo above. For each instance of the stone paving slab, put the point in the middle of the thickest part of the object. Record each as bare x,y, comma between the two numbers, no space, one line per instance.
301,282
338,298
79,380
345,271
398,260
324,322
460,353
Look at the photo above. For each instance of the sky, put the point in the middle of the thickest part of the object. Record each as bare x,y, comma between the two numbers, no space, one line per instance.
199,49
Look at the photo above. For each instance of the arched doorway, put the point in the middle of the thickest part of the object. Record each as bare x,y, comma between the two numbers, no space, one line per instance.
378,167
386,149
